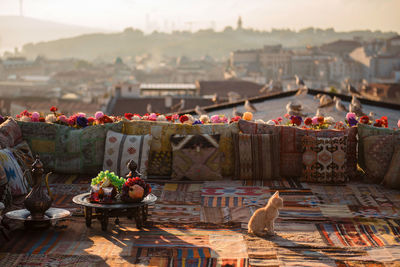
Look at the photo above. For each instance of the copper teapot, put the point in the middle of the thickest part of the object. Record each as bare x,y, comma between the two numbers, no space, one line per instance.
38,201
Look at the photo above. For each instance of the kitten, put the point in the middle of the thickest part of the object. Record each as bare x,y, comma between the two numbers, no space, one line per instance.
265,217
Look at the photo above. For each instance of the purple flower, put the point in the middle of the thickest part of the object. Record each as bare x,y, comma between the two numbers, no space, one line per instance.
82,121
197,122
352,121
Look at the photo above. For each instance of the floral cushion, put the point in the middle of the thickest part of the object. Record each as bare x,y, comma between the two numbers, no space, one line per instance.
196,157
378,151
324,159
364,131
392,177
256,156
161,150
121,148
10,133
15,177
291,150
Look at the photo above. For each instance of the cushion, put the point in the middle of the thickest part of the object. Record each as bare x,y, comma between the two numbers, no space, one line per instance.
256,156
392,177
10,133
5,192
378,151
364,131
291,151
161,151
324,159
121,148
66,149
15,177
196,157
25,159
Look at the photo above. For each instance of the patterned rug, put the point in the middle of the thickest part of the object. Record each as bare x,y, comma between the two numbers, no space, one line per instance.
205,224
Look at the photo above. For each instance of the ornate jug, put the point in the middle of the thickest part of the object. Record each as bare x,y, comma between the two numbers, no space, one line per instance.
38,201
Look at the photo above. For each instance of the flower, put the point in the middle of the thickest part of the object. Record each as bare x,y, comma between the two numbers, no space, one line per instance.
270,122
352,121
53,109
329,120
25,119
350,115
175,117
41,119
183,118
98,115
315,121
296,120
378,123
261,121
364,120
136,117
280,119
128,116
223,119
287,116
320,120
82,121
153,117
215,119
197,122
81,114
161,118
248,116
384,121
204,119
51,118
236,118
91,120
398,124
35,116
308,121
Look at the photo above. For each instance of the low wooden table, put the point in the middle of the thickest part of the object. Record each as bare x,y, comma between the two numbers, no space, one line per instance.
103,211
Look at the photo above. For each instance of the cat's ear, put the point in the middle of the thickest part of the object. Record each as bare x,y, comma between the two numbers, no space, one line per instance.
275,195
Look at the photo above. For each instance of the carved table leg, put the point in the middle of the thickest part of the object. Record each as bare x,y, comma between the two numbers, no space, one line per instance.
138,218
88,216
104,219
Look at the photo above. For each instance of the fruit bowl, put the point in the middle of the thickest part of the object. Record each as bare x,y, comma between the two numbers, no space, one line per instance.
135,190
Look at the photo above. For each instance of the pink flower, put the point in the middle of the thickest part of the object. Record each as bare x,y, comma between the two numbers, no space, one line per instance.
315,121
287,116
223,119
280,119
152,117
71,121
398,124
350,116
35,116
215,119
63,118
175,117
81,114
98,115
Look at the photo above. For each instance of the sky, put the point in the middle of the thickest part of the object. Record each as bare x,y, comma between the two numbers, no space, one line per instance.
167,15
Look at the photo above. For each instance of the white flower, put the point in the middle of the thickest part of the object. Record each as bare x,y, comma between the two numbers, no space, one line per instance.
190,119
270,122
25,119
161,118
329,120
51,118
136,118
261,121
204,118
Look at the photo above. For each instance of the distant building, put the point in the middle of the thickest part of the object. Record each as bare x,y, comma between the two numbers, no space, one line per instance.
127,89
223,88
387,92
345,67
340,47
393,45
164,89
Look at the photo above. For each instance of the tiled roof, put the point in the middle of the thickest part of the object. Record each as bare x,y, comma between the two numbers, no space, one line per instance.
222,88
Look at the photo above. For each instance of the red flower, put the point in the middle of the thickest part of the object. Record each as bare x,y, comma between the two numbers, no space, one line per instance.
183,118
236,118
169,118
320,120
129,116
41,119
91,119
378,123
364,119
384,121
308,121
53,109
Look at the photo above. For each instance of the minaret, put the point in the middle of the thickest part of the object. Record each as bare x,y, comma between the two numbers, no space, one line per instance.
239,23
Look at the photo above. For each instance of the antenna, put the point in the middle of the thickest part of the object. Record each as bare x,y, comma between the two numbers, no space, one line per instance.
20,8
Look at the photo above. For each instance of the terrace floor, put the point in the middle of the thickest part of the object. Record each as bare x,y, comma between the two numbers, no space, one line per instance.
204,224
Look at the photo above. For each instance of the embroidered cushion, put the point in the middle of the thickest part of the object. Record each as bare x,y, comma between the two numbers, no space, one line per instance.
25,159
364,131
10,133
392,177
324,159
15,178
291,145
161,152
196,157
378,151
256,156
121,148
64,149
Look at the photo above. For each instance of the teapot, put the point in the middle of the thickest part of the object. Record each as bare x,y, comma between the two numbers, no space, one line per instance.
38,201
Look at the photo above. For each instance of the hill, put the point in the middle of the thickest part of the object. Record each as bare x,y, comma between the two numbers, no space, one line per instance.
217,44
16,31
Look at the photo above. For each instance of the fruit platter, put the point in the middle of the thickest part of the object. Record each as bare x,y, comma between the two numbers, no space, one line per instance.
109,188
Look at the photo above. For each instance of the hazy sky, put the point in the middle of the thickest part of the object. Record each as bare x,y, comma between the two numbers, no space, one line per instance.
165,15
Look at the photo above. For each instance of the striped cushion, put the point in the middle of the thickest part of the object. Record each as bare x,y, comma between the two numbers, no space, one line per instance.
121,148
256,156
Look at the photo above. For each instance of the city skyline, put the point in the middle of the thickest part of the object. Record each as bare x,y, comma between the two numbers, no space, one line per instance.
194,15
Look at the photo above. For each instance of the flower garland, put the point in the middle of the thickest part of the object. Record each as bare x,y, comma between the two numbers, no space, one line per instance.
81,120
